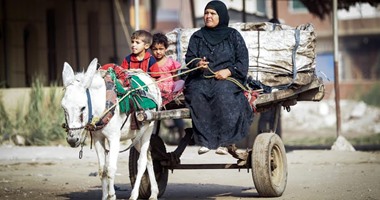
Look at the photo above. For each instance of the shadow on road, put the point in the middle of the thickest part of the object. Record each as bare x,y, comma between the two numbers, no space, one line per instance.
326,147
175,191
208,191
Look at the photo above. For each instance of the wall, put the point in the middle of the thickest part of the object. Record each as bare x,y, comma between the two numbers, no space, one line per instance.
41,35
15,99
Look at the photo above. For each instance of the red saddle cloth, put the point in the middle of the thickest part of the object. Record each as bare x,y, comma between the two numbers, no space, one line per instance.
121,73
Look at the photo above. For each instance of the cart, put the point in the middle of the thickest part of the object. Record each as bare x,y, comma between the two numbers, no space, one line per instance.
266,160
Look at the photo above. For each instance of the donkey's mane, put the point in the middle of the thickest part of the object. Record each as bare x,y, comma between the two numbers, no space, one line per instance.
79,76
97,80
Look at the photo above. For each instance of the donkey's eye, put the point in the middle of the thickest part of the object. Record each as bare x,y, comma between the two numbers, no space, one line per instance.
82,109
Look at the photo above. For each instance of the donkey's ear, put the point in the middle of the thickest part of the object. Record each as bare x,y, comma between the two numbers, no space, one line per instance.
89,75
67,74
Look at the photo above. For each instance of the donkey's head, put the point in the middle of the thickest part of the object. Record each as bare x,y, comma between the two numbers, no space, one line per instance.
75,103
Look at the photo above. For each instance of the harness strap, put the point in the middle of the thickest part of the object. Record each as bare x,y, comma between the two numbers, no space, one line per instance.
89,103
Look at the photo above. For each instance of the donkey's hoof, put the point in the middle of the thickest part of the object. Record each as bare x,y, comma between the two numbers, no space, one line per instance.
153,196
111,197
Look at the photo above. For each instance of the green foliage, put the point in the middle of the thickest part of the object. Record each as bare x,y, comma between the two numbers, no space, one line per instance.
366,140
311,141
373,97
5,123
56,114
44,115
41,123
35,122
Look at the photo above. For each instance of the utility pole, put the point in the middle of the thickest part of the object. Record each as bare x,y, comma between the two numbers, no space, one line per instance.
274,9
137,14
244,17
336,68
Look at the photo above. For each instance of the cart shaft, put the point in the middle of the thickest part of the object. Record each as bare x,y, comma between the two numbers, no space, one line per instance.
207,166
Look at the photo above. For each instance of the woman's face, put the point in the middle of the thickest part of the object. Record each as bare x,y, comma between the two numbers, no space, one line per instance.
211,18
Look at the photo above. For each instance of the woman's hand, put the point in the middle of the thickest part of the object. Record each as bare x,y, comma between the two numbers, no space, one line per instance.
222,74
203,63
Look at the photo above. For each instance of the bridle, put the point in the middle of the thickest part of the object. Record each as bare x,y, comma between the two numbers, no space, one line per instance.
83,127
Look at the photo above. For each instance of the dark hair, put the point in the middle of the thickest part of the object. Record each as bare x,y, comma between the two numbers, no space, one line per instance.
145,36
160,38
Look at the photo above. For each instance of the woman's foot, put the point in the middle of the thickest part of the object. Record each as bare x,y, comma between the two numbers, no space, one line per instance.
221,151
203,150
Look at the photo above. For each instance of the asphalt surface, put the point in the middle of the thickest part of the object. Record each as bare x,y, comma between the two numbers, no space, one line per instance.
57,173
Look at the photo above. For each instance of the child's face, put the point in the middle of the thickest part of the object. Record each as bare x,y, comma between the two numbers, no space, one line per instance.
138,46
158,51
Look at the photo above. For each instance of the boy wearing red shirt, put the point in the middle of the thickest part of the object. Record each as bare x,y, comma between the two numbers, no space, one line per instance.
140,58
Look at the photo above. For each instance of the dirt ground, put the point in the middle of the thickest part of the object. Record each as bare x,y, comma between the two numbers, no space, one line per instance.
58,173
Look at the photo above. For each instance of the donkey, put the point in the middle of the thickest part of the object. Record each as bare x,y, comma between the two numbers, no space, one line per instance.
84,97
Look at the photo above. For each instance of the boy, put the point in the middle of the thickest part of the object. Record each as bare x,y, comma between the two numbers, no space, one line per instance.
140,58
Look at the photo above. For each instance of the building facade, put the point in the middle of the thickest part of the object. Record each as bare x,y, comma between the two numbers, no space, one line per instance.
38,36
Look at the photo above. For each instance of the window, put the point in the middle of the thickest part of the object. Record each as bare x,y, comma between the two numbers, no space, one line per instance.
261,6
297,6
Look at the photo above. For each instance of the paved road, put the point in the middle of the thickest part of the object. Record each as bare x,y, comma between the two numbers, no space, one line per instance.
57,173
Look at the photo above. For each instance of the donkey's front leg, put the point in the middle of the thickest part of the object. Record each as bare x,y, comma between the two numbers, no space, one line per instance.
111,165
99,143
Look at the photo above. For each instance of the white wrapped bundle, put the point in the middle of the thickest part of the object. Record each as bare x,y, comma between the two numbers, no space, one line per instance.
276,52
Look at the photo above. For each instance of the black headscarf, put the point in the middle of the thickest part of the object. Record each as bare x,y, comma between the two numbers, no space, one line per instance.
221,31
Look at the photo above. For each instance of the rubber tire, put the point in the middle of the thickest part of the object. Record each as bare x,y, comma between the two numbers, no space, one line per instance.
161,173
269,165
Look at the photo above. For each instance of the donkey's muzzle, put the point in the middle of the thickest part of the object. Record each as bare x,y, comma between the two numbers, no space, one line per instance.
73,141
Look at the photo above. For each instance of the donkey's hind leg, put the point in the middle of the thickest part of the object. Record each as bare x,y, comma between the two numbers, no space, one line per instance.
142,166
152,177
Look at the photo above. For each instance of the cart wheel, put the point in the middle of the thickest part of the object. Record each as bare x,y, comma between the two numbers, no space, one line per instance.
269,165
160,172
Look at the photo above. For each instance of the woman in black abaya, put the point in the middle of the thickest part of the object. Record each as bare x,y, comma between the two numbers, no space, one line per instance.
221,114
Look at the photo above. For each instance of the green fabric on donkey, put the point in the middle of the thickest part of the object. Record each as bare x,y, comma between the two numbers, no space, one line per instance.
136,94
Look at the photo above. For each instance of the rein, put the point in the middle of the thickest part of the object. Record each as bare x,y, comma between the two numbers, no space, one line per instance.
95,119
245,89
92,121
212,76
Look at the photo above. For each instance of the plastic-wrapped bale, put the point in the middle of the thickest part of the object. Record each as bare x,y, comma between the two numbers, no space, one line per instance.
279,55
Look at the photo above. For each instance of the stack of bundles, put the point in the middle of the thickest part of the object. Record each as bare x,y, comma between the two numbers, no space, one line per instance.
279,55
